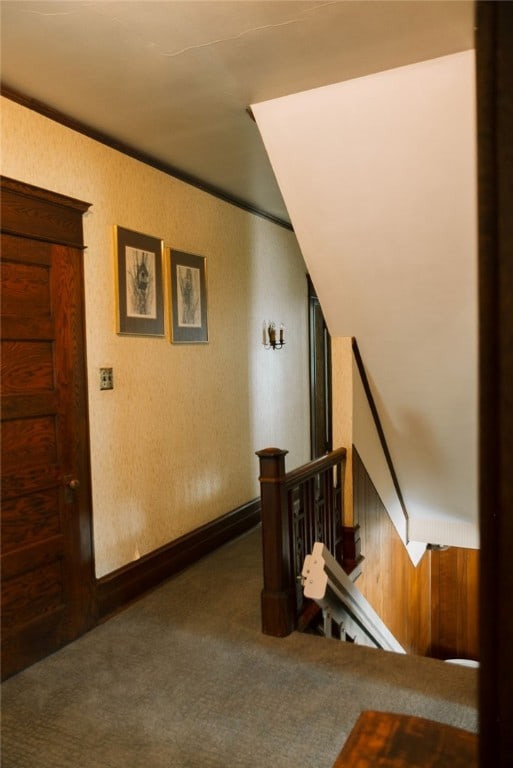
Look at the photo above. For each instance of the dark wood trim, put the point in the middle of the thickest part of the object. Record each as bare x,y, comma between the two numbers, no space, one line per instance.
120,587
319,379
30,190
379,427
494,33
302,473
109,141
352,558
56,218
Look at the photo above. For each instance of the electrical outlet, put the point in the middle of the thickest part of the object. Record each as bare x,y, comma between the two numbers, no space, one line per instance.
106,378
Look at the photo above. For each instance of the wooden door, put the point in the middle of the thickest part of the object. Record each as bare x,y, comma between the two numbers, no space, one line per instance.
320,379
46,561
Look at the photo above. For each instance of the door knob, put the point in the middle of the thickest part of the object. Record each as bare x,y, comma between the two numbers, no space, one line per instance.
73,483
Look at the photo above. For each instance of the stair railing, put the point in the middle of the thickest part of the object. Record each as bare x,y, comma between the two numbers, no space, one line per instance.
298,508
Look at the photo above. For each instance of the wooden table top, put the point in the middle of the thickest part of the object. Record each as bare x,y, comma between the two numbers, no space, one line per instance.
388,740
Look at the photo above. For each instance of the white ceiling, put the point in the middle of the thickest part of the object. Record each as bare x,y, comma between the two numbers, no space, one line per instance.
173,79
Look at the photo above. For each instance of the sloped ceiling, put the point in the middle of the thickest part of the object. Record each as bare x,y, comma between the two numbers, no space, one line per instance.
379,174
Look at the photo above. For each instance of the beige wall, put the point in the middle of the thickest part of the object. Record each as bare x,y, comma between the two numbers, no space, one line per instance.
173,445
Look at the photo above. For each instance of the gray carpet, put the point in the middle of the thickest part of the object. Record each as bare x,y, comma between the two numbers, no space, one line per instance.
184,679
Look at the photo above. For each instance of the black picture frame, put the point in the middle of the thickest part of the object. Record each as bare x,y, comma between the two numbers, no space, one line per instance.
139,262
189,315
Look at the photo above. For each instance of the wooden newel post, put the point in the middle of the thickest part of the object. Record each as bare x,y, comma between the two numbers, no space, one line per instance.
279,593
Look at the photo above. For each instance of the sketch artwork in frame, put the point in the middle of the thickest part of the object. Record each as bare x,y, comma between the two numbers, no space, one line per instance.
140,284
188,298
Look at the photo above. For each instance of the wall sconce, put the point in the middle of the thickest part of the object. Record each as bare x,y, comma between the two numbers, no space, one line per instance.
271,340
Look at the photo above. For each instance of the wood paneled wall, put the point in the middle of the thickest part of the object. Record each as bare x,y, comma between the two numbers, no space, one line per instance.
397,590
455,603
432,609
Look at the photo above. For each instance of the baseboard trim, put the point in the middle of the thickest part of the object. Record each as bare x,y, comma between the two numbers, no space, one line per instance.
120,587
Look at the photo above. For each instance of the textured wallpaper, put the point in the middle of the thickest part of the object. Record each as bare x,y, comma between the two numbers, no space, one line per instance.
173,444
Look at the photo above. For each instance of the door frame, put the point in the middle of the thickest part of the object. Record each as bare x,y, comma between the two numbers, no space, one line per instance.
313,307
494,68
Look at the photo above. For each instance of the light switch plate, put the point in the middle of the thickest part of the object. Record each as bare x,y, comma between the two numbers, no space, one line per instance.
106,378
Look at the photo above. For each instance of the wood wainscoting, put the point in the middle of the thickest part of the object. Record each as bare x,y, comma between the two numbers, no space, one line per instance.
117,589
432,609
455,604
398,591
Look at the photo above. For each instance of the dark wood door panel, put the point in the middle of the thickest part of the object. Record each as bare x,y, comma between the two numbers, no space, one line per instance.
26,289
29,519
27,366
19,649
25,250
33,555
27,328
29,443
27,406
32,597
29,480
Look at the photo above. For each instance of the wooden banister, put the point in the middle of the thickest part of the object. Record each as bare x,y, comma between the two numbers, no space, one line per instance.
298,508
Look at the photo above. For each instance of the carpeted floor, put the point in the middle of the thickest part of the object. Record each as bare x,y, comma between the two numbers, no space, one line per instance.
184,679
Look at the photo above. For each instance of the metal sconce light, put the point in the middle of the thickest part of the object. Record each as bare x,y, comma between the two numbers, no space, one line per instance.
271,340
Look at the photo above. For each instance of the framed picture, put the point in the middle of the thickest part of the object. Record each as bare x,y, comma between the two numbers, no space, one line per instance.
139,283
188,298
